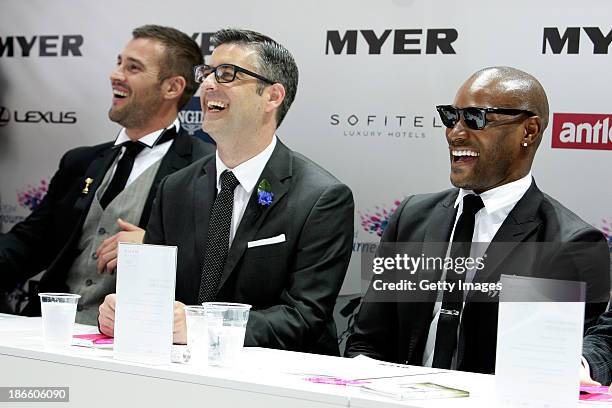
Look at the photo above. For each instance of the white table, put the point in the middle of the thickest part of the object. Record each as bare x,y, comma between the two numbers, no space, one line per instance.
265,378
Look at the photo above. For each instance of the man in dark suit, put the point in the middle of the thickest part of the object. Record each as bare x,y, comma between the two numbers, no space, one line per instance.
257,223
74,232
493,130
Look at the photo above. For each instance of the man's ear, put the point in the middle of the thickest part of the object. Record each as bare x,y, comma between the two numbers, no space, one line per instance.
173,87
275,94
533,126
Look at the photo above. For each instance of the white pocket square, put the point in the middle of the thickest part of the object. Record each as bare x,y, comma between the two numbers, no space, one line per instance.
267,241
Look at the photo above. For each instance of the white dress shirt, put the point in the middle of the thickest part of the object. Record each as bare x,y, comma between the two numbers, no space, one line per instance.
498,202
247,174
147,156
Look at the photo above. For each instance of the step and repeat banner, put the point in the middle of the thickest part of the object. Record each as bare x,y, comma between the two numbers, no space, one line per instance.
371,74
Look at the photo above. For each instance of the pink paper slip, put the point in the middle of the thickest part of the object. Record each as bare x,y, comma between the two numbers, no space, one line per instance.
97,340
595,393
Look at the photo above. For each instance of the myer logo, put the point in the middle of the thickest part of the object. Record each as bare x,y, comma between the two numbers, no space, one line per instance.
556,42
204,40
582,131
404,41
41,46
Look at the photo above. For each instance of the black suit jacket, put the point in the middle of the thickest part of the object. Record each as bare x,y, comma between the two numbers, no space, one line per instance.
292,286
48,237
397,331
597,349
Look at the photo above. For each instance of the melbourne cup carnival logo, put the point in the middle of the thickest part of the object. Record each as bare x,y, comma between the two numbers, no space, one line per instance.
191,116
375,221
32,196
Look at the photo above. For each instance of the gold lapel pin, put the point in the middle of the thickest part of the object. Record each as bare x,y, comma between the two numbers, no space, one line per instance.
88,181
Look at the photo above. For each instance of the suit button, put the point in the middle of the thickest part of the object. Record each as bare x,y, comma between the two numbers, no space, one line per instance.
102,231
88,282
94,256
80,308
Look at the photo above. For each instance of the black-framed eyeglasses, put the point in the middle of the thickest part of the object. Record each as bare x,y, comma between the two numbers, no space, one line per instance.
224,73
474,117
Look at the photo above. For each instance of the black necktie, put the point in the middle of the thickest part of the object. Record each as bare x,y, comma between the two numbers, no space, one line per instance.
217,242
126,163
452,301
122,172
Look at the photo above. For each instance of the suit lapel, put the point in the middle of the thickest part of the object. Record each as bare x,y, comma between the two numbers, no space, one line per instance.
178,156
278,173
435,244
96,171
516,228
204,193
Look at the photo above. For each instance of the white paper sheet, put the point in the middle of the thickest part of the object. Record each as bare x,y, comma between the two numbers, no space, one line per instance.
146,277
539,343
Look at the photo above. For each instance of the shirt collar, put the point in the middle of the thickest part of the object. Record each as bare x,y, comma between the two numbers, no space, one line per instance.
148,140
248,172
502,196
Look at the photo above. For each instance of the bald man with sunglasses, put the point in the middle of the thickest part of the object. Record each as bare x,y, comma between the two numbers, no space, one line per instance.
493,130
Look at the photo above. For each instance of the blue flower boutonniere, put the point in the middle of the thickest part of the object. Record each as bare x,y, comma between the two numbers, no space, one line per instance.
264,193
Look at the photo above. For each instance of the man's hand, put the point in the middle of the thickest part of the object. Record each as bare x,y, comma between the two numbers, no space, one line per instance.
585,375
106,319
107,251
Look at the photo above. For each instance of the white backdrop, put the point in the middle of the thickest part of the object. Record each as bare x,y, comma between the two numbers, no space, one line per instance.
335,90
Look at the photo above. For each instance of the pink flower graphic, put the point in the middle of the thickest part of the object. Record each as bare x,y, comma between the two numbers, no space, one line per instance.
32,196
376,221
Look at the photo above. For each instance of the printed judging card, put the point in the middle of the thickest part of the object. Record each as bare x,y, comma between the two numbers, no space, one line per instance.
146,277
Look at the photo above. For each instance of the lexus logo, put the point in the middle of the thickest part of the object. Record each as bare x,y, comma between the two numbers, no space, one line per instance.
5,116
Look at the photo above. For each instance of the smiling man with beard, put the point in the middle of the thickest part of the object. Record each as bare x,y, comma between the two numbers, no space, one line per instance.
493,130
102,194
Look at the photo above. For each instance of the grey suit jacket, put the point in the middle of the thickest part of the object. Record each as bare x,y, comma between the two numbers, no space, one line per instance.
292,285
48,237
398,331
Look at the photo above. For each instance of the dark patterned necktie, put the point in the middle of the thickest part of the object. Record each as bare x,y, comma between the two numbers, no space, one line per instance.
452,301
217,241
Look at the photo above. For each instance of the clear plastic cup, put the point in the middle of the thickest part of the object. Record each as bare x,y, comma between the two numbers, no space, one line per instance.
197,335
226,325
58,313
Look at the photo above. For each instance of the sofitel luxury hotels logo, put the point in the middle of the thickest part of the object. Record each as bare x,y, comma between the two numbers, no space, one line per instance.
379,125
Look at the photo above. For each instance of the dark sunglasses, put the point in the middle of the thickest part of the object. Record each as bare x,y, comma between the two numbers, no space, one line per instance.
474,117
224,73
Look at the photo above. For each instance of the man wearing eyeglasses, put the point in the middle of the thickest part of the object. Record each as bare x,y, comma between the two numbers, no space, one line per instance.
493,130
257,223
102,194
